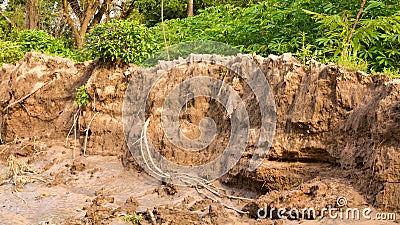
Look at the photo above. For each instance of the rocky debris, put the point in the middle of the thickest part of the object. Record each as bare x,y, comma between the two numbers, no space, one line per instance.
307,200
104,209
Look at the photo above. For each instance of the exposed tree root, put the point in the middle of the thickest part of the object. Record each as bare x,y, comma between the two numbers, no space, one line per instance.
27,96
87,133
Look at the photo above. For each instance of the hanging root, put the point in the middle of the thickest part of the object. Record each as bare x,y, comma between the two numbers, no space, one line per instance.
189,180
143,136
87,133
15,192
73,127
196,183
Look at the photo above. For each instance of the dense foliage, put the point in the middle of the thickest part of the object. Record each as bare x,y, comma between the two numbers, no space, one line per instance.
301,27
82,97
149,10
9,52
317,29
129,41
40,41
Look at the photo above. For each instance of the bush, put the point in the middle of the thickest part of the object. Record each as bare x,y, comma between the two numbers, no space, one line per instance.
309,29
150,9
265,28
128,41
40,41
375,40
10,52
82,97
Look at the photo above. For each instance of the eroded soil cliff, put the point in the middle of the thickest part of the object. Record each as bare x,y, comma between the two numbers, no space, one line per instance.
337,134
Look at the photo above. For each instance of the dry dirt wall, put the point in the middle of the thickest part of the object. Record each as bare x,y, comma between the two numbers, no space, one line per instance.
47,112
328,114
330,122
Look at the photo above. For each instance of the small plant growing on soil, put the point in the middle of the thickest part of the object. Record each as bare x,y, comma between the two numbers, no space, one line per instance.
82,97
135,218
81,100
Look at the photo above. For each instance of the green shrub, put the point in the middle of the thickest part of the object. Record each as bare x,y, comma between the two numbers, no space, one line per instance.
82,97
40,41
10,52
184,49
149,10
34,40
265,28
135,218
128,41
309,29
375,40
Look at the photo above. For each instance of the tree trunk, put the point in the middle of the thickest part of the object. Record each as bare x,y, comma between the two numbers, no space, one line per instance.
86,14
79,41
126,12
108,9
31,19
190,8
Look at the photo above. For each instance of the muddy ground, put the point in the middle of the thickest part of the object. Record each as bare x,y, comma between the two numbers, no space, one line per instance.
337,135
